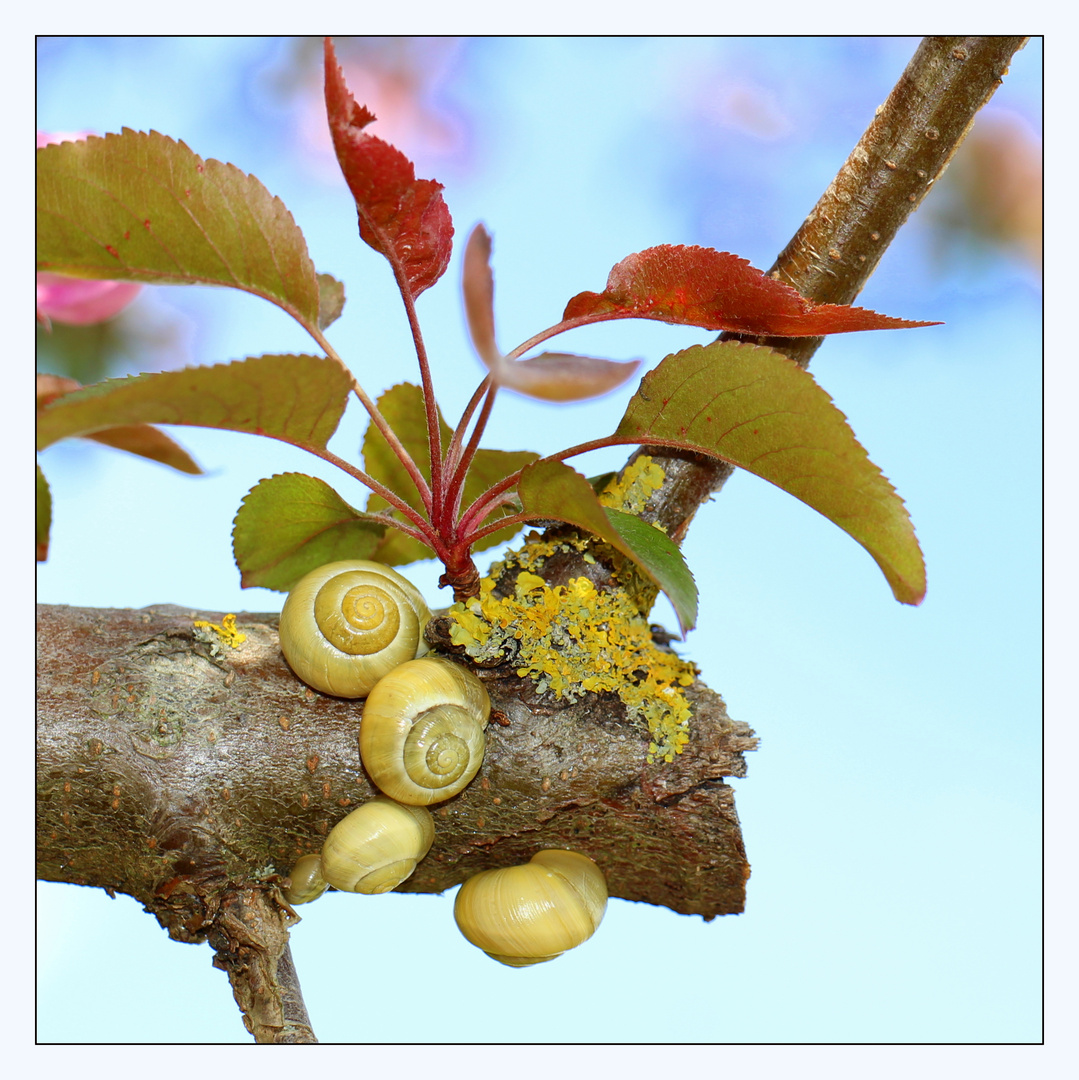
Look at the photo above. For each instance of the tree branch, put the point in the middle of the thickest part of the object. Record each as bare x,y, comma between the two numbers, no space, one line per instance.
172,772
829,259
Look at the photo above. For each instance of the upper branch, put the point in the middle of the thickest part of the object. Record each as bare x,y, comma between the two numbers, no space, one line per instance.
829,259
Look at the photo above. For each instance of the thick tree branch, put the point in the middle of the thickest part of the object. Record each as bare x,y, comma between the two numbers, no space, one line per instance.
172,772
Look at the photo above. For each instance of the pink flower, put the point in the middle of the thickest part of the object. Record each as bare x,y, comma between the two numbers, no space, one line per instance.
75,300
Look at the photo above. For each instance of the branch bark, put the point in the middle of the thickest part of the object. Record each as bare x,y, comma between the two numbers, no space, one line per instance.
191,775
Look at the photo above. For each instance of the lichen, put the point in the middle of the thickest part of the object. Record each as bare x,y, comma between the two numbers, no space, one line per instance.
574,638
226,632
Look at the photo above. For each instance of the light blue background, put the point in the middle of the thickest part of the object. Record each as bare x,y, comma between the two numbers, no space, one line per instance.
892,813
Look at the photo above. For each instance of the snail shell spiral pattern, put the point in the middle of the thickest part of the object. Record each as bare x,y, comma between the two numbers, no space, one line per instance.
421,734
346,624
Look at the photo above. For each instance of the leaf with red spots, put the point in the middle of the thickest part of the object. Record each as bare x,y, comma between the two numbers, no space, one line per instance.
298,399
141,207
753,407
698,286
401,217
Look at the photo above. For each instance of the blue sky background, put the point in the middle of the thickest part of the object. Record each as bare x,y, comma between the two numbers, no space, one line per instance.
892,814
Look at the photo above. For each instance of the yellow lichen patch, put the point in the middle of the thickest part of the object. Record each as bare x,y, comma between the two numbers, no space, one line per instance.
572,639
227,631
634,487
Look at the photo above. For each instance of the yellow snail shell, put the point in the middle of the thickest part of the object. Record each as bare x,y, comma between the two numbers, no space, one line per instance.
346,624
523,915
421,733
377,846
306,882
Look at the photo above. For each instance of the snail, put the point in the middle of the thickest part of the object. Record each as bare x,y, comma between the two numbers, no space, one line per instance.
377,846
421,733
523,915
346,624
306,882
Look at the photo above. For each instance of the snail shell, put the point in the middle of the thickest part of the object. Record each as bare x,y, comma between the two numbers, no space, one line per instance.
306,882
421,734
523,915
377,846
346,624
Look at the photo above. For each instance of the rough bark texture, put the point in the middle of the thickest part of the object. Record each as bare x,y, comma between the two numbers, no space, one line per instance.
168,772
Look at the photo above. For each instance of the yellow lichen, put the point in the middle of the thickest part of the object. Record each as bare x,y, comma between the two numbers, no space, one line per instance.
631,490
574,638
227,631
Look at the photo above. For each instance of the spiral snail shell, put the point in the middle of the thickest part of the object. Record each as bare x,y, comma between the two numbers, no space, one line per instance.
421,734
527,914
346,624
306,882
377,846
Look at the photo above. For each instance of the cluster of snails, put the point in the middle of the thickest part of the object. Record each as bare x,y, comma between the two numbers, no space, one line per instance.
355,629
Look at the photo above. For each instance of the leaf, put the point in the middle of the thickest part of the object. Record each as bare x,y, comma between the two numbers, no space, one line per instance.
142,439
149,442
753,407
698,286
563,376
298,399
42,516
551,489
549,376
141,207
331,300
401,217
291,524
402,407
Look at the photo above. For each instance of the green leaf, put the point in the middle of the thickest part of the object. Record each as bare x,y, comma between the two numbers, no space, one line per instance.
402,406
662,560
331,300
42,516
291,524
551,489
753,407
298,399
141,207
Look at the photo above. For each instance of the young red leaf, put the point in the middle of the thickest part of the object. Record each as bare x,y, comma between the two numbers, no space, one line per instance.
141,207
563,376
698,286
753,407
298,399
293,523
401,217
551,489
549,376
478,286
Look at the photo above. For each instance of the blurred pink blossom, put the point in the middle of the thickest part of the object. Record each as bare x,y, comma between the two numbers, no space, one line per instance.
75,300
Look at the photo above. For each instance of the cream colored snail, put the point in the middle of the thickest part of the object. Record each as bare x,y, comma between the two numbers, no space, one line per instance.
421,733
306,882
377,846
523,915
346,624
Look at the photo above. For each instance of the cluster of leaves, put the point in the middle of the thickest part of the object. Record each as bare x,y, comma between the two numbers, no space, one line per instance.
142,207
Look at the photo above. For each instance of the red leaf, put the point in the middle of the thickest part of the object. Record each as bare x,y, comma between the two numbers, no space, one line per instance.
401,217
699,286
